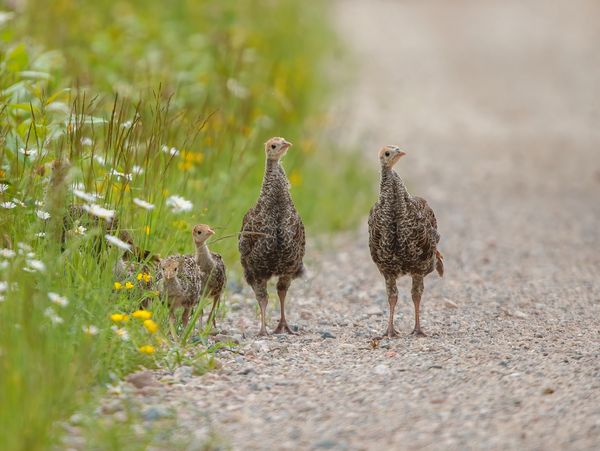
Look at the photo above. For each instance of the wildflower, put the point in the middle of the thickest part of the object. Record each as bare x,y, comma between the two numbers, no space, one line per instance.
40,234
178,204
117,285
3,286
100,160
147,349
119,318
97,210
3,187
8,205
18,202
3,264
170,150
86,141
151,326
237,89
144,276
34,265
117,242
127,124
38,203
23,247
7,253
142,314
129,285
90,330
79,230
28,152
51,314
147,230
58,299
120,175
137,170
185,165
142,203
85,196
121,333
44,215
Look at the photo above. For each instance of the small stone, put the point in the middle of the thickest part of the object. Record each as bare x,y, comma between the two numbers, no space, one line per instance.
183,373
373,311
382,370
548,391
327,334
261,346
227,339
450,304
111,407
142,379
154,413
326,444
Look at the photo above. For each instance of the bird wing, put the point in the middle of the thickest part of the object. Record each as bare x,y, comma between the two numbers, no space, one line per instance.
424,208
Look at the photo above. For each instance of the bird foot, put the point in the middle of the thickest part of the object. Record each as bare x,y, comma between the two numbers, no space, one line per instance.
391,333
418,333
284,328
262,333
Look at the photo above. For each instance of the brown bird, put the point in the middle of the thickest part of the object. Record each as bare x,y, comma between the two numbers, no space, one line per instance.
272,238
211,264
403,237
179,280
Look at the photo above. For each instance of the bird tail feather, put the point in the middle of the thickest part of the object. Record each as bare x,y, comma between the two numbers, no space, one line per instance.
439,264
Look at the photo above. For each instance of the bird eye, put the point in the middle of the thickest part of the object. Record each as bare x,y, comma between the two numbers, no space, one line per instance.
387,154
273,146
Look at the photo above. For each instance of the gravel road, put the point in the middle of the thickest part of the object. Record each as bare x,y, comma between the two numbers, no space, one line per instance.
497,105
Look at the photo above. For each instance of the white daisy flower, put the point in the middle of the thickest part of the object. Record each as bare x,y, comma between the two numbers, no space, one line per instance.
34,265
18,202
137,170
51,314
3,187
79,230
8,205
3,286
122,333
38,203
85,196
100,212
86,141
90,330
7,253
117,242
170,150
237,89
43,215
40,234
23,247
127,124
142,203
58,299
100,160
28,153
178,204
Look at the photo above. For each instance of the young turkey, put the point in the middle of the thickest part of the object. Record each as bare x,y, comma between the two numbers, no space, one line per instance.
211,264
272,239
403,237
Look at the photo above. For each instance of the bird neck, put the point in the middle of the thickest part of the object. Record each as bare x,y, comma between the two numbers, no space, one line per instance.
275,182
204,257
172,285
392,185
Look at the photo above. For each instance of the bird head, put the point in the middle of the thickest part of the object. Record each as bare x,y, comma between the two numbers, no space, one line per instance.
170,268
276,148
201,233
389,155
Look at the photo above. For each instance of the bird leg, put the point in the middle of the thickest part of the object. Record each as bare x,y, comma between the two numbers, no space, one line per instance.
260,291
282,286
213,311
417,291
392,292
185,316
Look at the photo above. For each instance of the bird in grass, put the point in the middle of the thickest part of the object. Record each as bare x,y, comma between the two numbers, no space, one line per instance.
179,280
403,237
211,264
272,238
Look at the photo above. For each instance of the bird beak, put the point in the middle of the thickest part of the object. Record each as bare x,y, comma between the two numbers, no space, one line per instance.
211,231
287,144
401,153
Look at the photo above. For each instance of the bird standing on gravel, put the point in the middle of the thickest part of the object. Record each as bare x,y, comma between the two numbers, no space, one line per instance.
211,264
272,237
179,280
403,237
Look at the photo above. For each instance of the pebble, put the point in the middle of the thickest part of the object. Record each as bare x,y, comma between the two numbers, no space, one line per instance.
154,413
142,379
327,334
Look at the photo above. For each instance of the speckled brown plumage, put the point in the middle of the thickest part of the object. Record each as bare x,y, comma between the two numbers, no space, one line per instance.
214,276
179,281
272,238
403,236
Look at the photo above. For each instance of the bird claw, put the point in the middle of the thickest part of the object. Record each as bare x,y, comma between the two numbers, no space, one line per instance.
391,333
418,333
284,328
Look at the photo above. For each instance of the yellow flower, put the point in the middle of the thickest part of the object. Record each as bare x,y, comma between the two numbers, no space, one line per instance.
145,277
118,285
117,317
139,277
147,349
185,165
129,285
147,230
295,178
142,314
150,326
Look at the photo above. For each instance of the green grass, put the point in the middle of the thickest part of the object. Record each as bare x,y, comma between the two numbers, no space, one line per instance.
107,86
